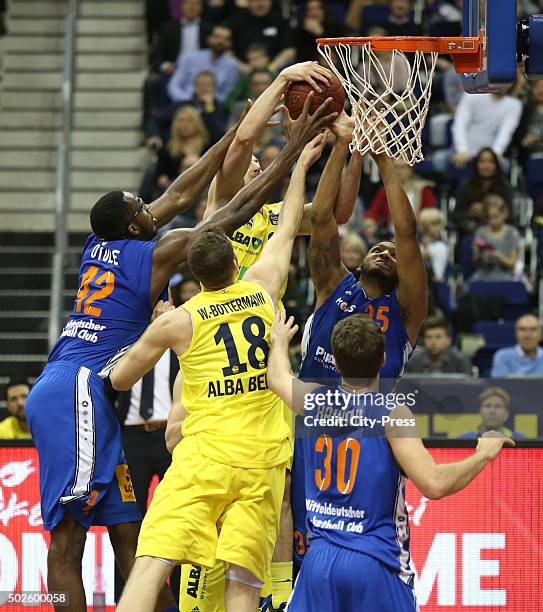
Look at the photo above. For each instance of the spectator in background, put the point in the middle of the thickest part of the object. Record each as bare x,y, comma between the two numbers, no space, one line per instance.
257,59
176,40
437,355
433,248
419,191
482,121
400,19
259,24
15,426
188,138
315,23
213,113
156,15
215,60
495,244
526,357
494,404
487,178
396,69
186,288
353,19
259,81
530,133
353,250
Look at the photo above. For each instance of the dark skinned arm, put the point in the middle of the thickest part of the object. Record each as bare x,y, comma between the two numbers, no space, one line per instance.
346,197
412,283
324,252
171,250
184,191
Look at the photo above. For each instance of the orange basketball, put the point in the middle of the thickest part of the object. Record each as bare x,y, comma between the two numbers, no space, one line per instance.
298,91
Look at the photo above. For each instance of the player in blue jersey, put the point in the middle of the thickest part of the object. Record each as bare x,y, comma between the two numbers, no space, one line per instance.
359,450
84,480
391,289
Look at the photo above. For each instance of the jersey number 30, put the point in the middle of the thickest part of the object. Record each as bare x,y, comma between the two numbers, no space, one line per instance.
347,454
101,288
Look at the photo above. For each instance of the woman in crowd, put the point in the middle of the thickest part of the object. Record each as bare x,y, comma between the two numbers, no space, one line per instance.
189,138
486,178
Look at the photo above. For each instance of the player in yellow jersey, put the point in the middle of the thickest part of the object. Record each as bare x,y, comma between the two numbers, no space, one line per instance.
239,168
221,497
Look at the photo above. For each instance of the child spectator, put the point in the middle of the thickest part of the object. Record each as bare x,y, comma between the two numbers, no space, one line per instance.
353,251
434,249
213,113
496,244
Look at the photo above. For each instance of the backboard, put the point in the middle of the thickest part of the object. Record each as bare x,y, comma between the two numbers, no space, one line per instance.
495,21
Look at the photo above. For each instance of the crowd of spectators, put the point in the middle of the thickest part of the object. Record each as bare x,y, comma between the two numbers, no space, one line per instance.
477,196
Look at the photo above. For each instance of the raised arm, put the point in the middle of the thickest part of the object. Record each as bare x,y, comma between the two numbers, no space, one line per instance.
279,373
324,252
434,480
272,266
229,178
171,250
184,191
170,330
346,198
412,282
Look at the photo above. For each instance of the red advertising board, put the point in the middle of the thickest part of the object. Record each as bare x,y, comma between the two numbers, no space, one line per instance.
478,551
482,549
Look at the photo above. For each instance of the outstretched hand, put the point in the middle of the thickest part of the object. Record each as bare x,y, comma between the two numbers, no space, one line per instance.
310,72
300,131
282,330
343,127
161,308
491,443
313,150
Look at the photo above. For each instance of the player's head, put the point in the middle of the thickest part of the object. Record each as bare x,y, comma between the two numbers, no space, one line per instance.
380,265
212,260
253,170
358,343
16,392
494,405
121,215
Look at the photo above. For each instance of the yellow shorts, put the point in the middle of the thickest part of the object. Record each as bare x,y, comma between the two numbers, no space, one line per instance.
197,497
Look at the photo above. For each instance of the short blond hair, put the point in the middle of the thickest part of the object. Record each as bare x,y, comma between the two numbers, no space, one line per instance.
496,391
429,216
353,240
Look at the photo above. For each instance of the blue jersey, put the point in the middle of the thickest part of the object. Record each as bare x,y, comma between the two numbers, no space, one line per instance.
113,304
350,298
355,493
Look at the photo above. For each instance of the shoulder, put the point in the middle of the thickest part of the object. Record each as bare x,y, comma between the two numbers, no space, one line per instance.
6,426
505,353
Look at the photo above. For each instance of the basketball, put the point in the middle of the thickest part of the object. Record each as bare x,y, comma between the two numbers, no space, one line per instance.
299,90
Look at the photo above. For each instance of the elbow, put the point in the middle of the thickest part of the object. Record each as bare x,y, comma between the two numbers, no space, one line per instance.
244,137
118,383
170,442
433,491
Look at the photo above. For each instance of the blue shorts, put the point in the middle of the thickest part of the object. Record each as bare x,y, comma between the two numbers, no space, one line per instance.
338,579
82,464
297,496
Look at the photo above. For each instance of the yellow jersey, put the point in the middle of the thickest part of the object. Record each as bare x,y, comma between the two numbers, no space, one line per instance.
237,420
249,240
11,429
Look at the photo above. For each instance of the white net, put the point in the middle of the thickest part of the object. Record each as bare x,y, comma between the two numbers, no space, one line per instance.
389,95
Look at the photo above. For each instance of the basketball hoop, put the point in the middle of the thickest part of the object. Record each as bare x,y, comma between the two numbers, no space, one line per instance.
389,93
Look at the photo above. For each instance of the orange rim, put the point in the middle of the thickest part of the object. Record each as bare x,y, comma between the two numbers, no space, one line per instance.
466,51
